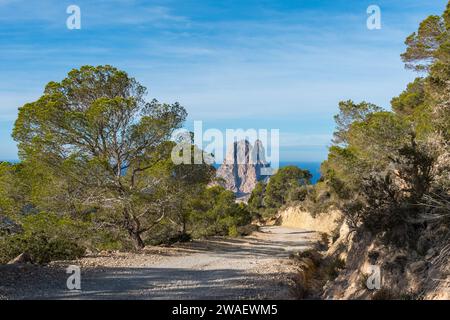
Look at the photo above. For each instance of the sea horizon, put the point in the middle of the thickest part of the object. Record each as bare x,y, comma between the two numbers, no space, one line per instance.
312,166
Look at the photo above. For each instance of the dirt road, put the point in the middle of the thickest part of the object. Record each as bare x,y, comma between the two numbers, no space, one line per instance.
220,268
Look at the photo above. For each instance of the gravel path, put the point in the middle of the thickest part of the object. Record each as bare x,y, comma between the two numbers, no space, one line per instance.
254,267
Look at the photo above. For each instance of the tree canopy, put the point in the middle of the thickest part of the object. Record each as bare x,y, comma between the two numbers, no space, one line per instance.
95,134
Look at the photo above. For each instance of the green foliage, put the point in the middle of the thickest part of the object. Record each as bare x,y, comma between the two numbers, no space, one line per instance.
428,50
388,202
46,237
350,113
188,182
256,200
6,187
342,171
370,145
216,212
93,149
410,99
13,189
321,197
384,167
422,45
233,231
381,134
286,185
95,139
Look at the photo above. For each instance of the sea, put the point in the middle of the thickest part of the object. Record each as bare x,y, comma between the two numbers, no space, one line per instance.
312,167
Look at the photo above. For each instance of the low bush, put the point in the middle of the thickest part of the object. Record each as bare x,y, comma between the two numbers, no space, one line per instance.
46,237
333,267
218,214
289,185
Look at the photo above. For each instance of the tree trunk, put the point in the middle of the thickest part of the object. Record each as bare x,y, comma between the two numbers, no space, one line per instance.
133,228
184,227
137,240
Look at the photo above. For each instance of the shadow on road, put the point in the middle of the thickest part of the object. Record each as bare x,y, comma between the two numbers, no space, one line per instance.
147,283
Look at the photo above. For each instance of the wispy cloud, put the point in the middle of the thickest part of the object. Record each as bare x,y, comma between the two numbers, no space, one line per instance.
255,62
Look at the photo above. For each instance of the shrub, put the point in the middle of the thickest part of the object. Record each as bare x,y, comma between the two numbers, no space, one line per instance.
333,267
286,185
46,237
218,214
256,200
320,198
175,238
391,203
233,231
289,185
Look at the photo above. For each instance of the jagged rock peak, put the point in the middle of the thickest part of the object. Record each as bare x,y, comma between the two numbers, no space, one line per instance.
241,169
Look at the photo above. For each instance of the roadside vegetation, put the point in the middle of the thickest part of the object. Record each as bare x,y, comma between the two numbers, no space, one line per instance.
95,170
388,171
96,173
288,185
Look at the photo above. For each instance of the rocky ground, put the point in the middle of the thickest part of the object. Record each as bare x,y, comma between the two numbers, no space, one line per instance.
405,273
254,267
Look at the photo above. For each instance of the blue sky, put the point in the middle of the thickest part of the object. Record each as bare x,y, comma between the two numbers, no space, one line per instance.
233,64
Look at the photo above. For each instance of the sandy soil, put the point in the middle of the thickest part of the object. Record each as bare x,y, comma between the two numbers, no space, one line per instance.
254,267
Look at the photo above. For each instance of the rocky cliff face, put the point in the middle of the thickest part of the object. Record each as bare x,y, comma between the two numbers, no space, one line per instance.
243,166
297,217
405,273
